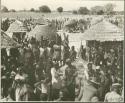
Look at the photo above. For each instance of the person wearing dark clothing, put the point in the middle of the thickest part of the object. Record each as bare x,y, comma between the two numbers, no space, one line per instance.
72,53
70,80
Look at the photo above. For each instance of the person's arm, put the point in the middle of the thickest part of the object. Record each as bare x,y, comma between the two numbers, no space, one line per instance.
37,85
105,100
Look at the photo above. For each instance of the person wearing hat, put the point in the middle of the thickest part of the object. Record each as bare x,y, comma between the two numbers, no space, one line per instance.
113,95
70,74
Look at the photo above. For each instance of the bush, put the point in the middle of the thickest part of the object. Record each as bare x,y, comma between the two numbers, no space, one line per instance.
12,10
4,9
98,10
83,10
32,9
44,9
74,11
60,9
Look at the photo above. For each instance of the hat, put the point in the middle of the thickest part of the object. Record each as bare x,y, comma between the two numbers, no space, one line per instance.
115,85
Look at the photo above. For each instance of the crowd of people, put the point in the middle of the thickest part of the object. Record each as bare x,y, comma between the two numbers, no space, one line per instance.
31,72
44,71
108,71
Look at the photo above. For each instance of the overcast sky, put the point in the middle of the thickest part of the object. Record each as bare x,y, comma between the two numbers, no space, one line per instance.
66,4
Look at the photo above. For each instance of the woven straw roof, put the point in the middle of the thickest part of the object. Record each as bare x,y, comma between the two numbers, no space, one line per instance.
41,21
17,26
47,31
7,42
104,31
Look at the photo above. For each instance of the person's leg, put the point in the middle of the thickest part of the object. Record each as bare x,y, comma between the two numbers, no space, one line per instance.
43,97
55,93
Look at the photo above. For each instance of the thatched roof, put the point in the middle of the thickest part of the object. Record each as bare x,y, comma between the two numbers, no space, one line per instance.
7,42
17,26
47,31
104,31
41,21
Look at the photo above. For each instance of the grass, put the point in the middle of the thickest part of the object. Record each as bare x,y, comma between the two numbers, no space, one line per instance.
35,15
25,15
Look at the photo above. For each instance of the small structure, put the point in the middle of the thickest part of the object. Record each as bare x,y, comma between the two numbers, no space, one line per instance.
47,31
7,42
17,30
103,32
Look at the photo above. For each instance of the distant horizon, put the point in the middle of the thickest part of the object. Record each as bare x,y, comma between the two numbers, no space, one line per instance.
68,5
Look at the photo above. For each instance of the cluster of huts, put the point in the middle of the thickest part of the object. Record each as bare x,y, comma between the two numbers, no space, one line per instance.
103,31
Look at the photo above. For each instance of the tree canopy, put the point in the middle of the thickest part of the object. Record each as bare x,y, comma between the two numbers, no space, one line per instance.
83,10
44,9
60,9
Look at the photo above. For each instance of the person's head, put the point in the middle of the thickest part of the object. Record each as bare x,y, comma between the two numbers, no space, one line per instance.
68,61
37,66
89,65
116,87
72,48
12,75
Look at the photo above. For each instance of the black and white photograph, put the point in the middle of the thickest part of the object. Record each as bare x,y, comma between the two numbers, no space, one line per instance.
62,50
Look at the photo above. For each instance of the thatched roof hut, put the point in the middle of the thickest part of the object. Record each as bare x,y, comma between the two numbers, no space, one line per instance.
104,31
17,26
47,31
7,42
40,21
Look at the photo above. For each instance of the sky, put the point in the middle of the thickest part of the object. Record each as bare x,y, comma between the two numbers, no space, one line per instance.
66,4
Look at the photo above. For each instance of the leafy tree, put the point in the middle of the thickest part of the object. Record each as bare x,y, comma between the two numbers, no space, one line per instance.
109,8
4,9
74,12
83,10
60,9
12,10
98,10
32,9
44,9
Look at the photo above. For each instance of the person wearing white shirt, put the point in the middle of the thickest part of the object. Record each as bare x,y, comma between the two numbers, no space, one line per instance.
56,85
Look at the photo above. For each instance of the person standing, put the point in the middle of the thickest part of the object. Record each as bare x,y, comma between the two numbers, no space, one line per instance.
72,53
56,85
70,74
113,96
88,90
